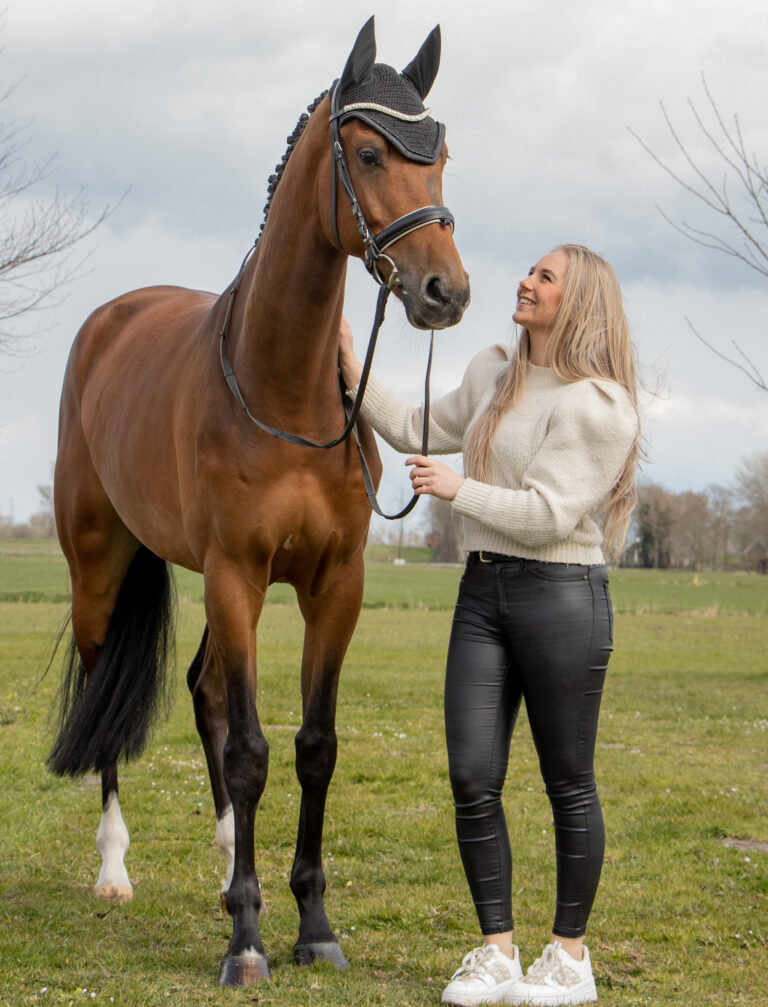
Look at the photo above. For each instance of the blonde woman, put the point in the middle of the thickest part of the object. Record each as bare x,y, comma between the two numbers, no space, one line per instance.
549,433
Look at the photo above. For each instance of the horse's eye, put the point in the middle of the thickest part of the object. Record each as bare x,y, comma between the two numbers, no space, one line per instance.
368,156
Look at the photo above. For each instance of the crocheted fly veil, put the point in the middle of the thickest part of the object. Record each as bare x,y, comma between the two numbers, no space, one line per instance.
392,102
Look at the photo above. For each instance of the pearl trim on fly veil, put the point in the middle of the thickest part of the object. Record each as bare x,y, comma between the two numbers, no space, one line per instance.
373,106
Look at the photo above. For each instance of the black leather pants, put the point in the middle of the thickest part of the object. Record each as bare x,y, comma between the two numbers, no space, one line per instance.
541,632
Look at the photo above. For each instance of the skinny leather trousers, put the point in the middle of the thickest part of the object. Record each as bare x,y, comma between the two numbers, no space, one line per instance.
541,632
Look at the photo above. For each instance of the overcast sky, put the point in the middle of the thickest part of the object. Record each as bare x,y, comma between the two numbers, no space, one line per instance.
186,106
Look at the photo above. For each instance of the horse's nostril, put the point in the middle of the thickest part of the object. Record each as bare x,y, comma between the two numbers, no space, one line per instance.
433,290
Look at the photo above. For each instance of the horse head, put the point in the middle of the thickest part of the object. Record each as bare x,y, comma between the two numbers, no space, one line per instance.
390,154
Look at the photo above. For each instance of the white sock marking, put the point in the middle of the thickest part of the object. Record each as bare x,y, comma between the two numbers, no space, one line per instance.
225,840
113,841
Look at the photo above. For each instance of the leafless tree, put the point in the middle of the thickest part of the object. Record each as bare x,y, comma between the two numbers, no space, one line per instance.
653,525
752,486
444,532
691,531
738,200
723,516
38,234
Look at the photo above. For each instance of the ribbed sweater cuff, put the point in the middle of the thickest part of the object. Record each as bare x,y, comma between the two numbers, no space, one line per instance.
470,499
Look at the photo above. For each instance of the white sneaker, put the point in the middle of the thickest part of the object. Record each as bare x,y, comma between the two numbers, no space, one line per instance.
555,980
484,977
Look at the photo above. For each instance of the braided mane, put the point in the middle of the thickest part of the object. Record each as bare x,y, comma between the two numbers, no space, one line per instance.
292,140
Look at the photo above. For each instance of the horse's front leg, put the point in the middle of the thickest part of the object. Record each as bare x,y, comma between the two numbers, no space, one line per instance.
330,622
232,615
211,720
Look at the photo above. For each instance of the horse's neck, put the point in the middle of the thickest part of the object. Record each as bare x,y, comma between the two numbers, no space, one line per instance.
298,288
286,341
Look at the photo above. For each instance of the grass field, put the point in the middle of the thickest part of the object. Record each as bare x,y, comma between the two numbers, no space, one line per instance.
682,913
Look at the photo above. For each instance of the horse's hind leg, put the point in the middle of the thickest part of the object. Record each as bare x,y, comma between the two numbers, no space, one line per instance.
112,842
330,622
98,563
91,613
121,622
121,625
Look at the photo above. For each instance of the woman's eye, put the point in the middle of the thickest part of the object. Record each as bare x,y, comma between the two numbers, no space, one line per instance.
369,157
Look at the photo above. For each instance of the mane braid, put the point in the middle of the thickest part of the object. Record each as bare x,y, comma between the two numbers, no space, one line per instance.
292,140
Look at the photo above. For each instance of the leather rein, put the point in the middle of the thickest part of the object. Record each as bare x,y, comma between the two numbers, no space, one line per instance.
375,247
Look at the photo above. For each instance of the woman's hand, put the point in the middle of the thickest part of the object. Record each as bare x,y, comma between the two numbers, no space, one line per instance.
350,367
433,477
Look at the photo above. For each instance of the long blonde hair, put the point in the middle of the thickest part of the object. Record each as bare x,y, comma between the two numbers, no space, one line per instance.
590,339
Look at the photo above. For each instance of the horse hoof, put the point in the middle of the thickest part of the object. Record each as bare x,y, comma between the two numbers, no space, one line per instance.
114,893
244,969
324,951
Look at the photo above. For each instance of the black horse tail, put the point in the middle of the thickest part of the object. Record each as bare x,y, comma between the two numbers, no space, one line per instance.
108,714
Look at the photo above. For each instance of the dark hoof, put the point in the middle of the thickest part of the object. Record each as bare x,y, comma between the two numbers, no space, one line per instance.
323,951
244,969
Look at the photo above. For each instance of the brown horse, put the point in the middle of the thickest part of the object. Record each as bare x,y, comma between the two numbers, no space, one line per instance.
158,463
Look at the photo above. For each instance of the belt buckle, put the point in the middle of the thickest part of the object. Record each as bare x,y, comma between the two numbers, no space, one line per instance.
482,557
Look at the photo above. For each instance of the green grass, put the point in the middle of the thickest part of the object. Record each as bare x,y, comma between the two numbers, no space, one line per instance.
36,571
680,918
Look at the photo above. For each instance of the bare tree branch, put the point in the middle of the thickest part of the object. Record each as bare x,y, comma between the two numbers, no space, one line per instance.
748,218
750,370
38,235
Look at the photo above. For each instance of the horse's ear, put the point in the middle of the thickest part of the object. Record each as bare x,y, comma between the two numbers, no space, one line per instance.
421,71
361,59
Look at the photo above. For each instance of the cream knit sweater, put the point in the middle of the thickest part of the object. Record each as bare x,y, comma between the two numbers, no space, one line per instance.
554,459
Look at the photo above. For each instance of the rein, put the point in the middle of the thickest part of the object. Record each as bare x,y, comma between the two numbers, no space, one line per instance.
375,247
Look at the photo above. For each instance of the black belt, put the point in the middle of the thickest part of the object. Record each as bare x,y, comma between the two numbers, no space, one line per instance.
492,557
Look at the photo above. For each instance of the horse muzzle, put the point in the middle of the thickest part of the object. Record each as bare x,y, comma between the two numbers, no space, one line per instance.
435,301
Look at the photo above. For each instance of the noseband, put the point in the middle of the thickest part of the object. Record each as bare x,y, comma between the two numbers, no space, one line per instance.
375,248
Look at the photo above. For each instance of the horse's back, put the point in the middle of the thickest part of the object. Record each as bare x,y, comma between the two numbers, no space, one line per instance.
148,315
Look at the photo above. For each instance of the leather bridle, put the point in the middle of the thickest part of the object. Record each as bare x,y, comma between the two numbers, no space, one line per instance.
375,248
375,245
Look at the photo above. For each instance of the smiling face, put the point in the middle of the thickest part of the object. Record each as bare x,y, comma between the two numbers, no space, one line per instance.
539,296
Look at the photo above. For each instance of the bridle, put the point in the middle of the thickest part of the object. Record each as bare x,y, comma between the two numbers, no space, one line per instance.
375,249
375,245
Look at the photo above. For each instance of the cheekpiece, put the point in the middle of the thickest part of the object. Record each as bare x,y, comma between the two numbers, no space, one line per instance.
390,104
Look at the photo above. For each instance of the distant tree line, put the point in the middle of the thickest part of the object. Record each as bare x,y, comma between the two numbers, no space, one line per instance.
40,525
720,528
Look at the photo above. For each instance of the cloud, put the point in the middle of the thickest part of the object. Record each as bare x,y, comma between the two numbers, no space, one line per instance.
189,104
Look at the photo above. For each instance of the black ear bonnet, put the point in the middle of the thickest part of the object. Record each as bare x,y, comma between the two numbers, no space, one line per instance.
391,102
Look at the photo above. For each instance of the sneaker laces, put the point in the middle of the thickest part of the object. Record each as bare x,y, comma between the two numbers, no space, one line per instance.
544,966
550,965
475,962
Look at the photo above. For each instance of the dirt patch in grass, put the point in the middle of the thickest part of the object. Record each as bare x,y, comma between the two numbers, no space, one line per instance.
753,845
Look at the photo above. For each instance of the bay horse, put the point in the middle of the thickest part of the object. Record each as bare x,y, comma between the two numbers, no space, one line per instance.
159,464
